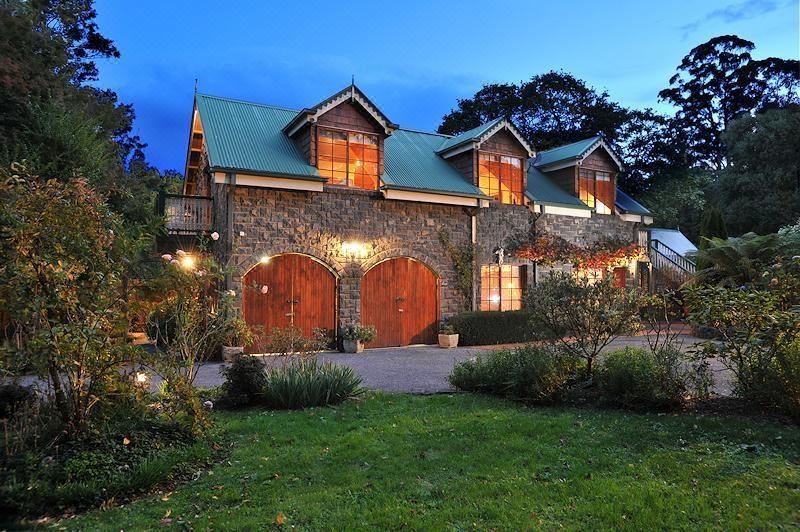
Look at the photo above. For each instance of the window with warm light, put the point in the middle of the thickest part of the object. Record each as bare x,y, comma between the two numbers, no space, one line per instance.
596,189
502,287
500,177
348,158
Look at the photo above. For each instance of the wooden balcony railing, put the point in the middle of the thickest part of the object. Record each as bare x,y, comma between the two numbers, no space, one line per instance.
187,215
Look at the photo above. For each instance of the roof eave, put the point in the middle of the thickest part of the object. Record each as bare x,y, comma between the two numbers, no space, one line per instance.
303,177
436,191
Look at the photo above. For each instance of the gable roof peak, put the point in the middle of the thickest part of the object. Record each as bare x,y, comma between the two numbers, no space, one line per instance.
473,138
574,153
350,93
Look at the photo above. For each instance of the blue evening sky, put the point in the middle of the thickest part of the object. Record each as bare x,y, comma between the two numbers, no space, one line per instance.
413,58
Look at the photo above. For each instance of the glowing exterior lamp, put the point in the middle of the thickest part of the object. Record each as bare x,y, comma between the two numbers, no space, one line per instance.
187,262
141,379
264,259
354,250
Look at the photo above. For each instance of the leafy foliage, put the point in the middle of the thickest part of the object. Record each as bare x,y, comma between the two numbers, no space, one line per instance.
759,331
492,327
244,382
62,280
305,382
580,317
359,333
291,340
550,110
639,378
719,81
760,188
463,258
548,250
741,261
534,374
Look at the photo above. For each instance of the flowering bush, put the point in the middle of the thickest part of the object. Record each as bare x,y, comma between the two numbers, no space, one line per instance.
549,249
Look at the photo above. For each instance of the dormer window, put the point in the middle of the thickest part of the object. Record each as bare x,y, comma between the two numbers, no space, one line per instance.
348,158
596,189
500,176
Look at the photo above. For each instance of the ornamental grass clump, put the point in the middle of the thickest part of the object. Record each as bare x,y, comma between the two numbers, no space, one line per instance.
306,382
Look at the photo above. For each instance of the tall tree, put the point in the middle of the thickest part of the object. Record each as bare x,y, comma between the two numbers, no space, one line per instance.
51,117
550,110
719,81
760,188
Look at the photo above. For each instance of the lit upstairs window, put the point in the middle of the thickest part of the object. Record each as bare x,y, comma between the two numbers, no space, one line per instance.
596,189
500,177
348,158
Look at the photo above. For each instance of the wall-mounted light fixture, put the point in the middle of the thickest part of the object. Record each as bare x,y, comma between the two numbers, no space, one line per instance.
354,250
264,259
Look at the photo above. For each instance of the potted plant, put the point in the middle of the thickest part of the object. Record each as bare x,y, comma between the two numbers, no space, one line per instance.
238,336
447,336
355,336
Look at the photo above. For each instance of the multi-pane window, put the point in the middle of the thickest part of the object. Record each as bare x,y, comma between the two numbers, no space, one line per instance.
502,287
500,177
596,189
348,158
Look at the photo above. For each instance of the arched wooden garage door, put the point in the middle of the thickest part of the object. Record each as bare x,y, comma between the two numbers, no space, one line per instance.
400,297
300,290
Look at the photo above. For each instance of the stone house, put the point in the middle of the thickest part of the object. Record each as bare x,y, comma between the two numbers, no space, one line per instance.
334,214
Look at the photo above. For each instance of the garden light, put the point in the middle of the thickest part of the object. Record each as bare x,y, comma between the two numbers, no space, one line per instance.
187,261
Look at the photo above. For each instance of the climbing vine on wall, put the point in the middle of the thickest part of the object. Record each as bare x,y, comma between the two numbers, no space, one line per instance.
463,258
548,249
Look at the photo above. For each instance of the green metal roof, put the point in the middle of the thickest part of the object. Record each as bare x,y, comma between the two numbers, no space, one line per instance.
249,137
412,162
629,205
468,136
573,151
544,192
244,136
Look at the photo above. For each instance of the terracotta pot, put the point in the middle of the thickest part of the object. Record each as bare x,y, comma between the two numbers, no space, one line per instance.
352,346
229,354
448,340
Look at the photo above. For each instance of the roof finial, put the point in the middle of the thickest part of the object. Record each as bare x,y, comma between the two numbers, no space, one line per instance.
352,79
195,85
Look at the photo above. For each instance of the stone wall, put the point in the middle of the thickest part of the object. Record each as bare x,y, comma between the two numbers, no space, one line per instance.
269,222
501,226
585,231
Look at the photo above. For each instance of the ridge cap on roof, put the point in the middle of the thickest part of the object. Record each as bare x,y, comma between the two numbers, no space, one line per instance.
593,138
421,132
247,102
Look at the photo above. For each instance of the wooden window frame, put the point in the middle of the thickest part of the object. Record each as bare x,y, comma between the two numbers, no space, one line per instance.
520,193
513,303
591,176
350,176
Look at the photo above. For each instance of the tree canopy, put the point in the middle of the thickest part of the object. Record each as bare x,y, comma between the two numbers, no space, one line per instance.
676,164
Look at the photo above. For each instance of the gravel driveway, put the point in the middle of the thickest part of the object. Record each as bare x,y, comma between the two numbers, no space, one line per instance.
421,369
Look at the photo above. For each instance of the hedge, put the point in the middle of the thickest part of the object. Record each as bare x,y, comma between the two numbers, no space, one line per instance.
492,327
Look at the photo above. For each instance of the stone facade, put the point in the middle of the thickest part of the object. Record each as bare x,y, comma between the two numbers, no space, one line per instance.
586,231
269,222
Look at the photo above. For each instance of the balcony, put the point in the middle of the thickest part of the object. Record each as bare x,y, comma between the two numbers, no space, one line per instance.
186,215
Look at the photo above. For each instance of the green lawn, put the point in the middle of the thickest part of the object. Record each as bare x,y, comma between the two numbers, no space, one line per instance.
465,462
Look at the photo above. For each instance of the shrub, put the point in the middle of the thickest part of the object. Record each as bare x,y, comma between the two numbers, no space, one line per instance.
631,378
244,382
492,327
306,383
12,396
290,340
359,333
582,318
530,373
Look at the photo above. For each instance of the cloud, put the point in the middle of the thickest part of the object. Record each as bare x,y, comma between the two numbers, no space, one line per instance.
737,12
